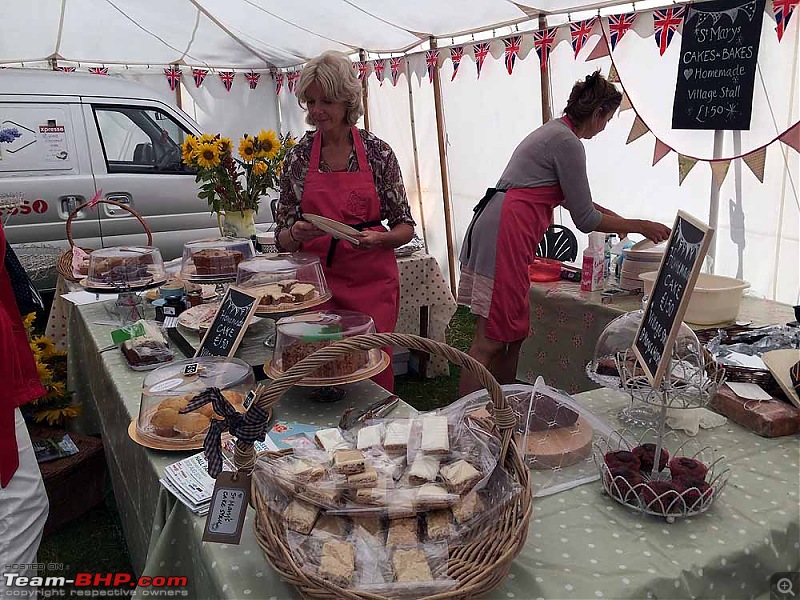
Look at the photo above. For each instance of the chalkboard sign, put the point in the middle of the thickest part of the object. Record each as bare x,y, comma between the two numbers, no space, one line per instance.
227,328
680,266
717,66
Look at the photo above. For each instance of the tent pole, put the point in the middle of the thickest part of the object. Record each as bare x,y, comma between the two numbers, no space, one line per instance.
416,154
713,208
738,203
547,112
362,56
437,103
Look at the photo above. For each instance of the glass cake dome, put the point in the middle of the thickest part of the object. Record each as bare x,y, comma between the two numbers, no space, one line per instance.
215,258
125,267
286,281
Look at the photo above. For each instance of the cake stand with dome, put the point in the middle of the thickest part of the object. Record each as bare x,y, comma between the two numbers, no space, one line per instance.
214,260
124,269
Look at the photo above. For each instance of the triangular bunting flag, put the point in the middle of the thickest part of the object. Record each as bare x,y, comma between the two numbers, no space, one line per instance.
481,51
361,65
252,79
431,60
199,75
396,66
660,151
98,70
626,103
579,32
378,66
613,76
719,169
456,54
665,24
618,26
278,83
173,75
66,69
685,164
783,10
756,161
512,48
227,77
792,137
543,41
291,81
600,50
637,130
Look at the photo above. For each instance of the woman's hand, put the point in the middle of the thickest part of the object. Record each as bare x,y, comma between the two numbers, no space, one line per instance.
371,239
656,232
303,231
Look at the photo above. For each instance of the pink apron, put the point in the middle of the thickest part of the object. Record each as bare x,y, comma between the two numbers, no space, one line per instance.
366,281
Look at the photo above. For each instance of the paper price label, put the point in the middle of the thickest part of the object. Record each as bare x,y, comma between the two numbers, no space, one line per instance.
190,369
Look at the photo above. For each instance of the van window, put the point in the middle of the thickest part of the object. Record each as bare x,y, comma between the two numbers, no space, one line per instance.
140,140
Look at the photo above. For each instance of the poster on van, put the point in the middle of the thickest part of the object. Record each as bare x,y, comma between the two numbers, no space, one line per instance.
55,142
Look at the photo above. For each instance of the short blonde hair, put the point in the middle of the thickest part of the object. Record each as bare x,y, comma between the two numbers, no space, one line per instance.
336,76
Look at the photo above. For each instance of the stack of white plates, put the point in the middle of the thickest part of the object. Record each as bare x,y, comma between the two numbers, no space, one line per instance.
641,258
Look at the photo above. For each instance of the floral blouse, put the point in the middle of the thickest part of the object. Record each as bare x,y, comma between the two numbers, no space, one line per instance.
385,170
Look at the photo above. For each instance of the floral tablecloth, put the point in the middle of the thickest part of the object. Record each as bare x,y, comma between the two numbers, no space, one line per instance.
566,323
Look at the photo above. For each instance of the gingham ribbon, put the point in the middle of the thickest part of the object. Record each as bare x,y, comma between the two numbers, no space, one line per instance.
248,427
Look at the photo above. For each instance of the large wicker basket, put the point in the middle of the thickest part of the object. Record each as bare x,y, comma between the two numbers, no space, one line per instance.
482,561
64,264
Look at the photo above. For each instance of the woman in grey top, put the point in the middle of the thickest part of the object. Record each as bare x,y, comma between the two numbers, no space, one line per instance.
547,169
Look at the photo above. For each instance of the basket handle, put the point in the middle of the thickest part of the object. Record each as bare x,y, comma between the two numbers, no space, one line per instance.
244,455
75,212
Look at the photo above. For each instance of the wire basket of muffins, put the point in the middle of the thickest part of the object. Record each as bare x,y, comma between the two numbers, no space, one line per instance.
674,479
437,505
169,389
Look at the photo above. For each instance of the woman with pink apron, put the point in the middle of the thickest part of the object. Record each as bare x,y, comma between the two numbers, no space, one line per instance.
547,169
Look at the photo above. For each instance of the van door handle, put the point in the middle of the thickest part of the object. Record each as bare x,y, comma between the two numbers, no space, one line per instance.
119,198
69,204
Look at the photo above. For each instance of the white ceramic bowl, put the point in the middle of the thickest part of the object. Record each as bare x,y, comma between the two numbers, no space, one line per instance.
715,299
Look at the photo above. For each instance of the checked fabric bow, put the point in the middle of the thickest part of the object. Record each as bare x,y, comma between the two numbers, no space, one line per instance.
248,427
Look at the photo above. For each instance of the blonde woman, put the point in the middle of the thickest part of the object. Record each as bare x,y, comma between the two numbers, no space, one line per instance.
347,174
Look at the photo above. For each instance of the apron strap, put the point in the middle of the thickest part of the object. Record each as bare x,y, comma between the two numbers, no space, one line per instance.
479,208
316,151
358,144
335,241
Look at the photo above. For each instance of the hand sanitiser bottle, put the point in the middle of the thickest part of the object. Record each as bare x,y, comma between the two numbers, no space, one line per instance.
593,263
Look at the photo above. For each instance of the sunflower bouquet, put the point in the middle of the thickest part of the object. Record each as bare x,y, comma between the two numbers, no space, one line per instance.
230,183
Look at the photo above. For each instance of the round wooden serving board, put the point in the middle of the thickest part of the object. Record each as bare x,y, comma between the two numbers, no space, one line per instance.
559,447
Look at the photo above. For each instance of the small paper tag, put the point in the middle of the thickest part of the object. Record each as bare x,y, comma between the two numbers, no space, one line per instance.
228,508
748,391
190,369
248,400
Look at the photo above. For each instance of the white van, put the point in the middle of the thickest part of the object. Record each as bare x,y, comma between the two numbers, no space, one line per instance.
82,133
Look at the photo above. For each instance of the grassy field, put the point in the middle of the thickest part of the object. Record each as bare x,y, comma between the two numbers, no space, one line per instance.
95,541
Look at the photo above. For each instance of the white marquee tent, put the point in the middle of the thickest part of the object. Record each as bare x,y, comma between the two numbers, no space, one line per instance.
483,118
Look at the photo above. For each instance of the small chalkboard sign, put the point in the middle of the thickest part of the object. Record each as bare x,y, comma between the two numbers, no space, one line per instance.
229,324
717,65
680,266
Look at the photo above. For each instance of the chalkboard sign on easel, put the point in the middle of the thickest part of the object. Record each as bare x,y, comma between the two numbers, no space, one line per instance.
717,65
680,266
227,328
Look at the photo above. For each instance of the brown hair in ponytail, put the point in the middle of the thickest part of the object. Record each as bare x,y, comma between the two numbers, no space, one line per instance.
590,94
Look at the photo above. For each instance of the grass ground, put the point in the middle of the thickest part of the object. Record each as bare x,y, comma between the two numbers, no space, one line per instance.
95,541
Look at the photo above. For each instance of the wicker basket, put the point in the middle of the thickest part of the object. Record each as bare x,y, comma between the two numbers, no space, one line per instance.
482,561
64,264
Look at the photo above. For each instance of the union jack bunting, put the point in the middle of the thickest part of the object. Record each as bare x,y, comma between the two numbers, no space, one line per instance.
378,66
665,24
252,79
173,75
226,77
66,69
291,81
395,64
543,41
278,82
512,48
456,54
199,76
481,50
431,59
618,26
361,65
579,32
98,70
783,10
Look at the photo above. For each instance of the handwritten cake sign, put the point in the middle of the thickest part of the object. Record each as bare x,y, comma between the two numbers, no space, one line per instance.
680,266
227,329
717,65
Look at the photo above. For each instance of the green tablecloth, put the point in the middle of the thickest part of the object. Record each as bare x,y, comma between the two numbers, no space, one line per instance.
566,323
581,544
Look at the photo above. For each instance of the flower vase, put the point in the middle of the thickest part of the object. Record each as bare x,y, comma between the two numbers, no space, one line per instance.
239,223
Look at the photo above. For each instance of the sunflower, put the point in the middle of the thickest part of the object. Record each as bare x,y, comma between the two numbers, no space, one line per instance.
208,155
268,143
207,138
45,345
289,141
188,149
28,320
54,416
225,145
259,168
247,149
44,373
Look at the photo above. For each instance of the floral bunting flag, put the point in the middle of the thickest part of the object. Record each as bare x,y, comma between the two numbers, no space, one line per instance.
431,60
625,104
66,69
98,70
618,26
395,66
278,83
613,76
719,170
600,50
173,75
481,51
361,65
199,76
685,164
665,24
756,161
252,79
637,130
379,66
513,45
543,41
226,77
783,10
579,32
660,151
456,54
792,137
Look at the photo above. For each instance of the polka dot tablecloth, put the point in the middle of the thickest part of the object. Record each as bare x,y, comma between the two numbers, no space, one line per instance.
581,544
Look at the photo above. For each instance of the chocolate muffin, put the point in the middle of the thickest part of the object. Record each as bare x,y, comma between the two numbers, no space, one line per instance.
695,492
681,466
661,497
623,459
623,482
646,454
